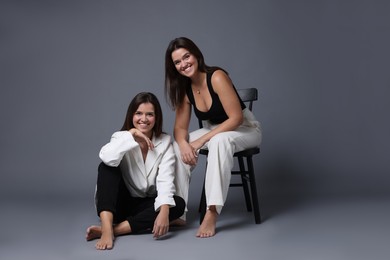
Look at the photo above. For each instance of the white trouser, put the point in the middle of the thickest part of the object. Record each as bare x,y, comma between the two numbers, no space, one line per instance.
220,162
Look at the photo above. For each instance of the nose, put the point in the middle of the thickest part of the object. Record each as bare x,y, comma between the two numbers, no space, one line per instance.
182,64
144,117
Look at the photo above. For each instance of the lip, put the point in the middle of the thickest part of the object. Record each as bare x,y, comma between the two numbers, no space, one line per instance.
187,68
143,125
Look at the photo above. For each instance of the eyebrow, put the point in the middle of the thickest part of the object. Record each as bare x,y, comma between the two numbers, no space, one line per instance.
139,111
186,53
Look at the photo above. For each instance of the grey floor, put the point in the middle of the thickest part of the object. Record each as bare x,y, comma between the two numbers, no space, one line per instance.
354,228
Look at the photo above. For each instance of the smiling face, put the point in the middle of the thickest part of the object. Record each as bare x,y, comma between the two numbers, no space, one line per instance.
185,62
144,119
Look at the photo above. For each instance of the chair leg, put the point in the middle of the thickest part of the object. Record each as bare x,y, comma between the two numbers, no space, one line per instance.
255,200
253,191
245,184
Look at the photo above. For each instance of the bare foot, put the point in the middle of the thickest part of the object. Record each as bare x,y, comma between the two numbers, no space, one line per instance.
106,240
178,222
93,232
207,228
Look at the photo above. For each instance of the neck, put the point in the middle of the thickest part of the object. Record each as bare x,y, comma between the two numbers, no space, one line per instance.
198,79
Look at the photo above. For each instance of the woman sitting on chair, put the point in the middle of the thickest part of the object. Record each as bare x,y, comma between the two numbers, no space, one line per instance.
229,126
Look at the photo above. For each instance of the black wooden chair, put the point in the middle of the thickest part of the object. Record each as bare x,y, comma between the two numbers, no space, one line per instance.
245,163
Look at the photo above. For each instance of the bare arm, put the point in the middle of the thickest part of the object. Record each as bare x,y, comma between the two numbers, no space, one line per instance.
161,224
180,132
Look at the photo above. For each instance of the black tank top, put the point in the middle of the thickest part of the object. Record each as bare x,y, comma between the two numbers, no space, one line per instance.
216,113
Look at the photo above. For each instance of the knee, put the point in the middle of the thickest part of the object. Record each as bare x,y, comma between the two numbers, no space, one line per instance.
105,168
180,204
221,140
101,167
176,148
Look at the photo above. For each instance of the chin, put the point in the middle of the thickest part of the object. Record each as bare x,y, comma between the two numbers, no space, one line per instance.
147,132
188,75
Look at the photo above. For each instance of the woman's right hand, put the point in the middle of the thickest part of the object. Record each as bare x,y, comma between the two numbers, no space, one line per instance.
189,154
141,137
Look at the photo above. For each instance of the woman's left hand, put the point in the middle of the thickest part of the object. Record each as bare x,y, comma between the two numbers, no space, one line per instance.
161,224
196,145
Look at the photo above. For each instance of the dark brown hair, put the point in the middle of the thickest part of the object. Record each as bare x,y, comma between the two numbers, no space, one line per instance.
144,97
175,83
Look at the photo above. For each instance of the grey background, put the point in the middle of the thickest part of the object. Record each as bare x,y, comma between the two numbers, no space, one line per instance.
68,70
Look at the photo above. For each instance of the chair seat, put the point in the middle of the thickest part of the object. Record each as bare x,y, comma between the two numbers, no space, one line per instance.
244,153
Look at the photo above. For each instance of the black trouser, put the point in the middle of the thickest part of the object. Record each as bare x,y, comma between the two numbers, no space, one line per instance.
112,195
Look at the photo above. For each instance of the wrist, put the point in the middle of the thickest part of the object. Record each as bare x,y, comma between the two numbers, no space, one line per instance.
164,208
182,143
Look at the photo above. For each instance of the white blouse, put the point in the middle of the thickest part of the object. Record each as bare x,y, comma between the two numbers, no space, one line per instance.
153,177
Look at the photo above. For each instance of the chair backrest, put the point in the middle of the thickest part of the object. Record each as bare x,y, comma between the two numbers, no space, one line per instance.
247,95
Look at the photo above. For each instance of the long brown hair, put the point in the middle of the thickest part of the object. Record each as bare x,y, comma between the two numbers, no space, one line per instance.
140,98
175,83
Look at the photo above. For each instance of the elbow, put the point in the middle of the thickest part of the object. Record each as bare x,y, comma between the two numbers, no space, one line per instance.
239,119
109,161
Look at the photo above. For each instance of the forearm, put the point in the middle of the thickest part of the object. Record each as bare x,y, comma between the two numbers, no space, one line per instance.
164,210
228,125
112,153
180,135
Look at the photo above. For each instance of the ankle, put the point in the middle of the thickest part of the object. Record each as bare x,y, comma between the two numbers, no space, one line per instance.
212,209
